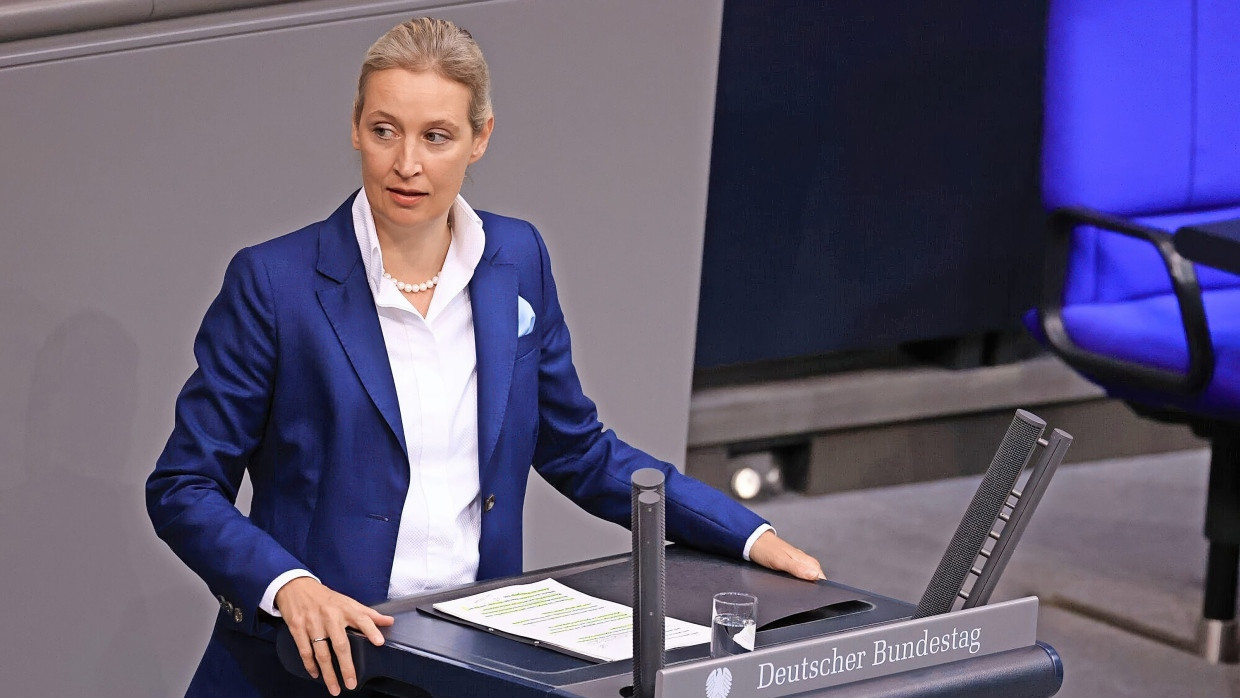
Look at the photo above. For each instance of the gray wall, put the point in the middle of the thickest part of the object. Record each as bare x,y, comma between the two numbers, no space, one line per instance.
137,160
26,19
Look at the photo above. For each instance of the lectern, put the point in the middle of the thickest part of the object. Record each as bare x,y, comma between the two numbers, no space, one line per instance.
427,655
814,638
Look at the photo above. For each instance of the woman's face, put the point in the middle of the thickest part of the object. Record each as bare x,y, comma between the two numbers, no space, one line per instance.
415,141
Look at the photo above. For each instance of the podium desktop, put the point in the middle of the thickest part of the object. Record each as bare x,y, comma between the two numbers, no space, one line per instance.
814,638
427,655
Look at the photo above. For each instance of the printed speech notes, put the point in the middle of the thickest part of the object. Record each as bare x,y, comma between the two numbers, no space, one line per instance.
562,618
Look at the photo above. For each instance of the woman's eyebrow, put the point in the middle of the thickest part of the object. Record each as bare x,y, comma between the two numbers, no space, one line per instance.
379,114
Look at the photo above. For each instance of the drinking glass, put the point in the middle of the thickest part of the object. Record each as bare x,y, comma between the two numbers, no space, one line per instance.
734,623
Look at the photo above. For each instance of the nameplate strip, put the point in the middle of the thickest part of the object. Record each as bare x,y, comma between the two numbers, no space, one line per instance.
857,655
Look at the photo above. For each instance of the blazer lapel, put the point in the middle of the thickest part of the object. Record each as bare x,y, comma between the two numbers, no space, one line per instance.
350,308
493,296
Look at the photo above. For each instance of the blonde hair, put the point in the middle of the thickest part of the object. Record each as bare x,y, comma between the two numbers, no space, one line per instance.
438,45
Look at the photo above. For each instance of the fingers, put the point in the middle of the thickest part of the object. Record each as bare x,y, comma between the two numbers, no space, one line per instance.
806,566
321,646
318,618
802,566
811,570
364,619
366,626
306,654
772,551
377,617
333,641
344,657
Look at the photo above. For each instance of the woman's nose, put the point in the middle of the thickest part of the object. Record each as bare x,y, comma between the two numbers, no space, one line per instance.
408,163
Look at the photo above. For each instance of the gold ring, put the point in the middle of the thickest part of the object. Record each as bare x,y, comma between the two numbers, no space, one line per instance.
318,639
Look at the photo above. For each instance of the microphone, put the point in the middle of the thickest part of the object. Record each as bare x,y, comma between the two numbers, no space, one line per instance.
648,524
1015,523
991,496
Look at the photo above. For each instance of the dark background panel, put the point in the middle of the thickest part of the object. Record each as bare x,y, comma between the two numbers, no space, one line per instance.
874,176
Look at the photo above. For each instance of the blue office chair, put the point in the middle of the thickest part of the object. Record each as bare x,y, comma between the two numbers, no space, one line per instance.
1142,139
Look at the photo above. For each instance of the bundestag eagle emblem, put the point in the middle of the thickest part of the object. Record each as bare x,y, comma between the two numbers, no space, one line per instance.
719,683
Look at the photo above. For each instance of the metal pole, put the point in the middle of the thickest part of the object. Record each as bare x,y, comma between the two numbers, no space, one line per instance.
649,577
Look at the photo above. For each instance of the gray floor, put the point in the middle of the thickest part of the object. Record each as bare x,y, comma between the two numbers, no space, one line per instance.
1122,536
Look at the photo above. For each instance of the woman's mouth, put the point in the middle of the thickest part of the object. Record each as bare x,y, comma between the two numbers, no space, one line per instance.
406,197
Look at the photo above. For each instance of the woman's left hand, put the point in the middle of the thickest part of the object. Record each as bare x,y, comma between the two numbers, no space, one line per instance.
778,554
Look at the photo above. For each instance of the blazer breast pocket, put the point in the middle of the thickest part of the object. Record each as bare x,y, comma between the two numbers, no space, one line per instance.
527,346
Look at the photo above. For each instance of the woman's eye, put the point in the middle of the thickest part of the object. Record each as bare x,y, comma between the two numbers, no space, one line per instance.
436,137
383,132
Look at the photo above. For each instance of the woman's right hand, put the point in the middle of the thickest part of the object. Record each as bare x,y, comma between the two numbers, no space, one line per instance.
317,618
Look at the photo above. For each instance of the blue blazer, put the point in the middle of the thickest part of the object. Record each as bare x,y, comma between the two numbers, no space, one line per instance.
293,384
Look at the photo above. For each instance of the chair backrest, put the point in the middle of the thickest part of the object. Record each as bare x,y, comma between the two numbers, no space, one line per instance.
1142,120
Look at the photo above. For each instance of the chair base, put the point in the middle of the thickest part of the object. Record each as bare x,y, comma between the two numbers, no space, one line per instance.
1217,638
1217,641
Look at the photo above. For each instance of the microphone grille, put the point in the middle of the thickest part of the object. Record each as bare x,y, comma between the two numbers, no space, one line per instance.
992,494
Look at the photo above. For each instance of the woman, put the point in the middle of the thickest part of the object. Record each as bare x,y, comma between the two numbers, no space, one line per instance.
387,376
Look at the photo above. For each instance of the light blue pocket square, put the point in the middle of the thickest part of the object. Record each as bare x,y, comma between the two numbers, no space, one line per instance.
525,317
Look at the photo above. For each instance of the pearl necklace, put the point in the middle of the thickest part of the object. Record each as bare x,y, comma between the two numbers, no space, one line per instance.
425,285
413,288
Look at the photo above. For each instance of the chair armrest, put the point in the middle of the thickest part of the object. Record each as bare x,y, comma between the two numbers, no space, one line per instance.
1214,244
1187,293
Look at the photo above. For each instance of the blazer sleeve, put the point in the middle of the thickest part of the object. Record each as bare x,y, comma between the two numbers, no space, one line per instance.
221,414
592,466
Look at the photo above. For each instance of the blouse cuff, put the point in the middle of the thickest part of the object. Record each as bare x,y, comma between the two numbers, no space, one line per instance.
268,602
753,537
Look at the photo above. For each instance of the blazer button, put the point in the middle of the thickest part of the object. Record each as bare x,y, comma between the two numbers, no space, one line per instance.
489,503
237,615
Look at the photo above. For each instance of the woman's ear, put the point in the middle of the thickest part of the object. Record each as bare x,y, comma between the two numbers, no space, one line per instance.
481,139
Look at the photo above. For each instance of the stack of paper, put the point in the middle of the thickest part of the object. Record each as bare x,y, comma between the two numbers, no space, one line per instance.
551,614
